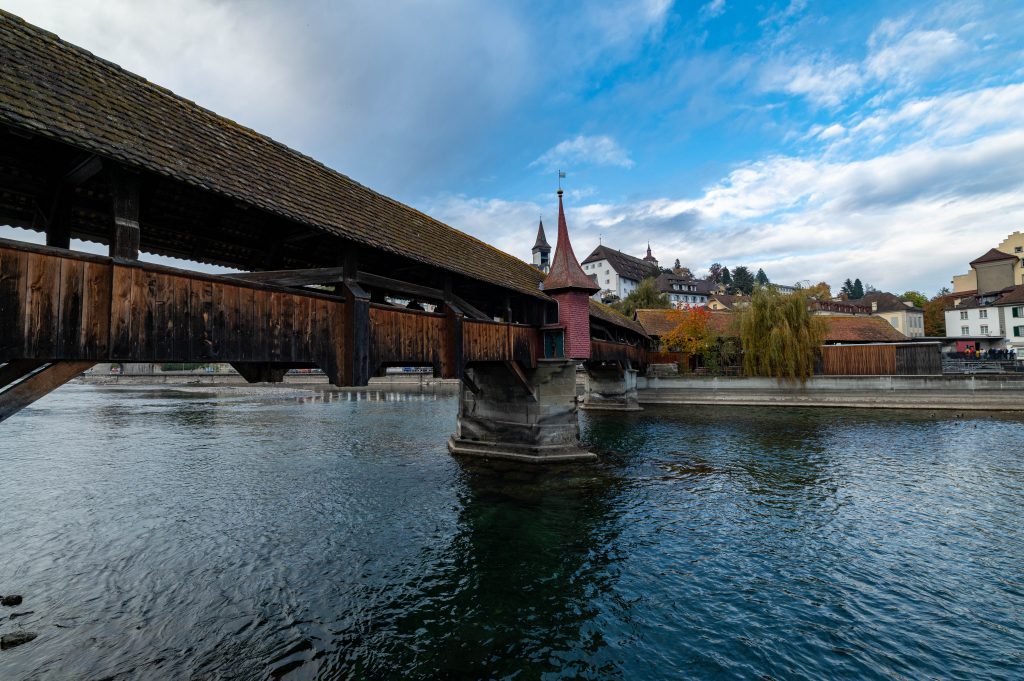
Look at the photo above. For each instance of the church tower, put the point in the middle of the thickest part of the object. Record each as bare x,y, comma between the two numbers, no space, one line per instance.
541,251
649,257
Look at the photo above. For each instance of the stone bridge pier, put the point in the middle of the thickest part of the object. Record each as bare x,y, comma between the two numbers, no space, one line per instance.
610,387
529,415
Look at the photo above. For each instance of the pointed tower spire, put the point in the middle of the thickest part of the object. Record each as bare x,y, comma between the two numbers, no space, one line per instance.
542,241
541,250
566,272
650,257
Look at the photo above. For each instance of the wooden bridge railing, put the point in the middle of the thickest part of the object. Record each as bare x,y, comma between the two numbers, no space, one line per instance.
59,305
484,341
611,351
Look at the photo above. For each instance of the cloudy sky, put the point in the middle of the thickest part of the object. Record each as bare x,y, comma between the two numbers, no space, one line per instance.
818,140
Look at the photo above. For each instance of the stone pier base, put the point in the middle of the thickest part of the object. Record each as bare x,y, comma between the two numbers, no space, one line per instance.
503,417
610,388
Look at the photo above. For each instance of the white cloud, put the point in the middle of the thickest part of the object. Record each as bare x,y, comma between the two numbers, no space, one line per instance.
912,55
909,217
823,82
897,59
599,150
713,9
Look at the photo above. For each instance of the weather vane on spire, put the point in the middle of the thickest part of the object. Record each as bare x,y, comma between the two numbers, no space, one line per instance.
561,174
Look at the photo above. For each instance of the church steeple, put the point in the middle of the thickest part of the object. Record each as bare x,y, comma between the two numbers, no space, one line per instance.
650,257
541,250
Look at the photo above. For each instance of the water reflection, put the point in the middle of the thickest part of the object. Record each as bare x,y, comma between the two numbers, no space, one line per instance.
534,553
290,534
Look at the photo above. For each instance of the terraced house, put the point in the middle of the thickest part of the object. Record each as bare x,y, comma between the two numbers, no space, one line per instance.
992,316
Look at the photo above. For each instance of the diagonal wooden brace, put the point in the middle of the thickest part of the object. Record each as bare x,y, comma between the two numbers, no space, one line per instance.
22,394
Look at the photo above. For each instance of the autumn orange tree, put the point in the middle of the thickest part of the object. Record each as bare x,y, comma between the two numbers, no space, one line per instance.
693,334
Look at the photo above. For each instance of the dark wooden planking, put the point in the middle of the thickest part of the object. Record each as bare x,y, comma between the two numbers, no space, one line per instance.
125,230
121,304
70,331
42,303
202,344
96,311
624,354
452,362
357,334
13,273
303,277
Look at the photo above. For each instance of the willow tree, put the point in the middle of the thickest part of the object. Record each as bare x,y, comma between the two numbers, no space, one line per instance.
779,336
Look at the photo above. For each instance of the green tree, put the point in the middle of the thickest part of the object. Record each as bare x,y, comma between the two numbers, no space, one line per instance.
644,297
780,338
847,289
858,290
742,281
761,278
935,313
715,272
725,278
916,297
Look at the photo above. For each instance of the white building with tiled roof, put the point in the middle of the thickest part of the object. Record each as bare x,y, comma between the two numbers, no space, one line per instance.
618,273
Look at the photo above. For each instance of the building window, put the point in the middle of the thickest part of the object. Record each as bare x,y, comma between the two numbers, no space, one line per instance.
1018,249
983,314
963,314
984,329
1018,312
1018,331
965,330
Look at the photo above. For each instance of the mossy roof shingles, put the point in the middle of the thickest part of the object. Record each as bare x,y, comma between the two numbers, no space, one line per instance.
61,91
609,315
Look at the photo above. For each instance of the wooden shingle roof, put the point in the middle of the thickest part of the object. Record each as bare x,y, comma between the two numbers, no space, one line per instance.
566,272
860,330
609,315
56,90
657,323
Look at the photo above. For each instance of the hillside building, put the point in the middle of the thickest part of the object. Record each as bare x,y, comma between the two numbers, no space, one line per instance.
1012,246
618,274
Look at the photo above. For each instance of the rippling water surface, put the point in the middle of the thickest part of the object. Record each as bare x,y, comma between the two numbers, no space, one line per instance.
160,534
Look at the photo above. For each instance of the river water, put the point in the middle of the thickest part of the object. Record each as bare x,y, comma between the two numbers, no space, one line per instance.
252,534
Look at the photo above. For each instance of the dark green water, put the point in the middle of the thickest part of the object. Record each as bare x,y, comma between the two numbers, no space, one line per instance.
188,535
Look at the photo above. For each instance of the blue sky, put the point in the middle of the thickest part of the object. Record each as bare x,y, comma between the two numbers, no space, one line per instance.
818,140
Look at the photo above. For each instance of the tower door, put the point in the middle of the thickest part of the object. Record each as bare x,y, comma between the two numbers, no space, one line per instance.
554,344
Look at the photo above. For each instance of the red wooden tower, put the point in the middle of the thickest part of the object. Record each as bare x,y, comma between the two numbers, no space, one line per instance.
568,284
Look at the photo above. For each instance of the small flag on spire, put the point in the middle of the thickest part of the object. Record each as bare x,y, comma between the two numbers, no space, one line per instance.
561,174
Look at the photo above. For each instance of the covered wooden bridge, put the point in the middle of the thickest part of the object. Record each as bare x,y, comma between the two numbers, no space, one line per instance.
331,273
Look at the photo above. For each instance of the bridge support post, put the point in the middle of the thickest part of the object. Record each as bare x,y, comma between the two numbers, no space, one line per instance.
503,416
609,387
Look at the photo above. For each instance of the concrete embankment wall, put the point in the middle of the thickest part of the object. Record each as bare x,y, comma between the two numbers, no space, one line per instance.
891,392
